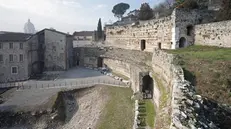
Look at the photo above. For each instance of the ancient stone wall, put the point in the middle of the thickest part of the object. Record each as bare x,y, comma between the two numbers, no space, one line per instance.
118,66
172,32
189,110
154,33
213,34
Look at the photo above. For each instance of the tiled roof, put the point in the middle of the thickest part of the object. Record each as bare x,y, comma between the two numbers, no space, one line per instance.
14,37
83,33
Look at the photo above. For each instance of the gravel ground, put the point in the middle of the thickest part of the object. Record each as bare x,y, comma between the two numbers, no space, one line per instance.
34,99
91,103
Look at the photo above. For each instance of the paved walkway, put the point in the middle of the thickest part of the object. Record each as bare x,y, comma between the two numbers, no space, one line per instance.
35,97
75,78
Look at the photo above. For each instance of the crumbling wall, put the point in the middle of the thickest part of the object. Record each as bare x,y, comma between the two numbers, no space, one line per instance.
188,109
184,25
155,32
118,66
213,34
164,33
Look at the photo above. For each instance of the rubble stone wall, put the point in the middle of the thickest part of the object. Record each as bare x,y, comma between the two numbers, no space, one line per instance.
189,110
154,32
213,34
118,66
171,32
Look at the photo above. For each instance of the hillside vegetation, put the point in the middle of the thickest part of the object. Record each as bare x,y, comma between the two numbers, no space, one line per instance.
209,69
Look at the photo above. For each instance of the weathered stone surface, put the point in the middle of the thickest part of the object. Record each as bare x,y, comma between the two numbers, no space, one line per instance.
213,34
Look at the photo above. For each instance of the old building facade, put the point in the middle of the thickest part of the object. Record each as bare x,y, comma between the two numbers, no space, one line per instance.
13,57
83,38
25,55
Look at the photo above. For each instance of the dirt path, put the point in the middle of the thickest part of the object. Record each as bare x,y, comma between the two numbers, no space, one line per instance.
91,103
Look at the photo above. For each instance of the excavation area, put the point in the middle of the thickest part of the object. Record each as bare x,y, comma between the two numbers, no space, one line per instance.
97,107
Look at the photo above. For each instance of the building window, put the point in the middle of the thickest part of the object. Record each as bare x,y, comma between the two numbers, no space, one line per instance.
143,45
11,46
1,45
21,57
14,70
11,58
189,30
1,58
159,45
21,45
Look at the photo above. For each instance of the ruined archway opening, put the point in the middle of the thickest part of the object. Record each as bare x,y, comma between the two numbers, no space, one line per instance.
147,87
143,45
182,42
100,62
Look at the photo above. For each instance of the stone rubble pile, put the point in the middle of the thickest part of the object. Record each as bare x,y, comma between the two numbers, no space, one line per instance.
194,111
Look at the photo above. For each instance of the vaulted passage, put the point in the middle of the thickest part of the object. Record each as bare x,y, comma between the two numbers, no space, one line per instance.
147,87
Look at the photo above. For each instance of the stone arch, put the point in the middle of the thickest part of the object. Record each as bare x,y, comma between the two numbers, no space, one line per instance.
143,45
182,42
147,87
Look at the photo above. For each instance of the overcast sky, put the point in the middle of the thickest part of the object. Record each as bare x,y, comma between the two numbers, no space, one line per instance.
63,15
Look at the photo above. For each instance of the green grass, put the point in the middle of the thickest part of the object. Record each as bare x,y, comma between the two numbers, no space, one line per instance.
204,52
150,109
209,69
120,75
164,94
119,111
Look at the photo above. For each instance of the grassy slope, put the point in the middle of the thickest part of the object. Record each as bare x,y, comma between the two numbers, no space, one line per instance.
150,113
119,111
209,69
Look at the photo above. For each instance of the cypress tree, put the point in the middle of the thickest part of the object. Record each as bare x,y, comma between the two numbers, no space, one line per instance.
99,30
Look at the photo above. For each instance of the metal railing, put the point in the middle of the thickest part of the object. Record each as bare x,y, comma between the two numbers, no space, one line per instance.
62,84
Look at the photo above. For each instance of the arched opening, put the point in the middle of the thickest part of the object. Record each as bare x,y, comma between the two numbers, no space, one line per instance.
143,44
100,62
147,87
182,42
189,30
159,45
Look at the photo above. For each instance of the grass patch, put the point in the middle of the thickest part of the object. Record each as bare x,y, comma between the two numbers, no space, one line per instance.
209,69
150,109
118,112
164,93
120,75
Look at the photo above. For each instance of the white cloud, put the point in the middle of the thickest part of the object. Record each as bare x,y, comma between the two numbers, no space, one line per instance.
101,6
63,15
40,7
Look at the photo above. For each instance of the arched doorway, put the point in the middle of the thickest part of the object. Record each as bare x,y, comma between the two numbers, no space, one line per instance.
143,44
147,87
182,42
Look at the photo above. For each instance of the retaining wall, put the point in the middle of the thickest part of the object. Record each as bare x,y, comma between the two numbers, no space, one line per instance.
213,34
